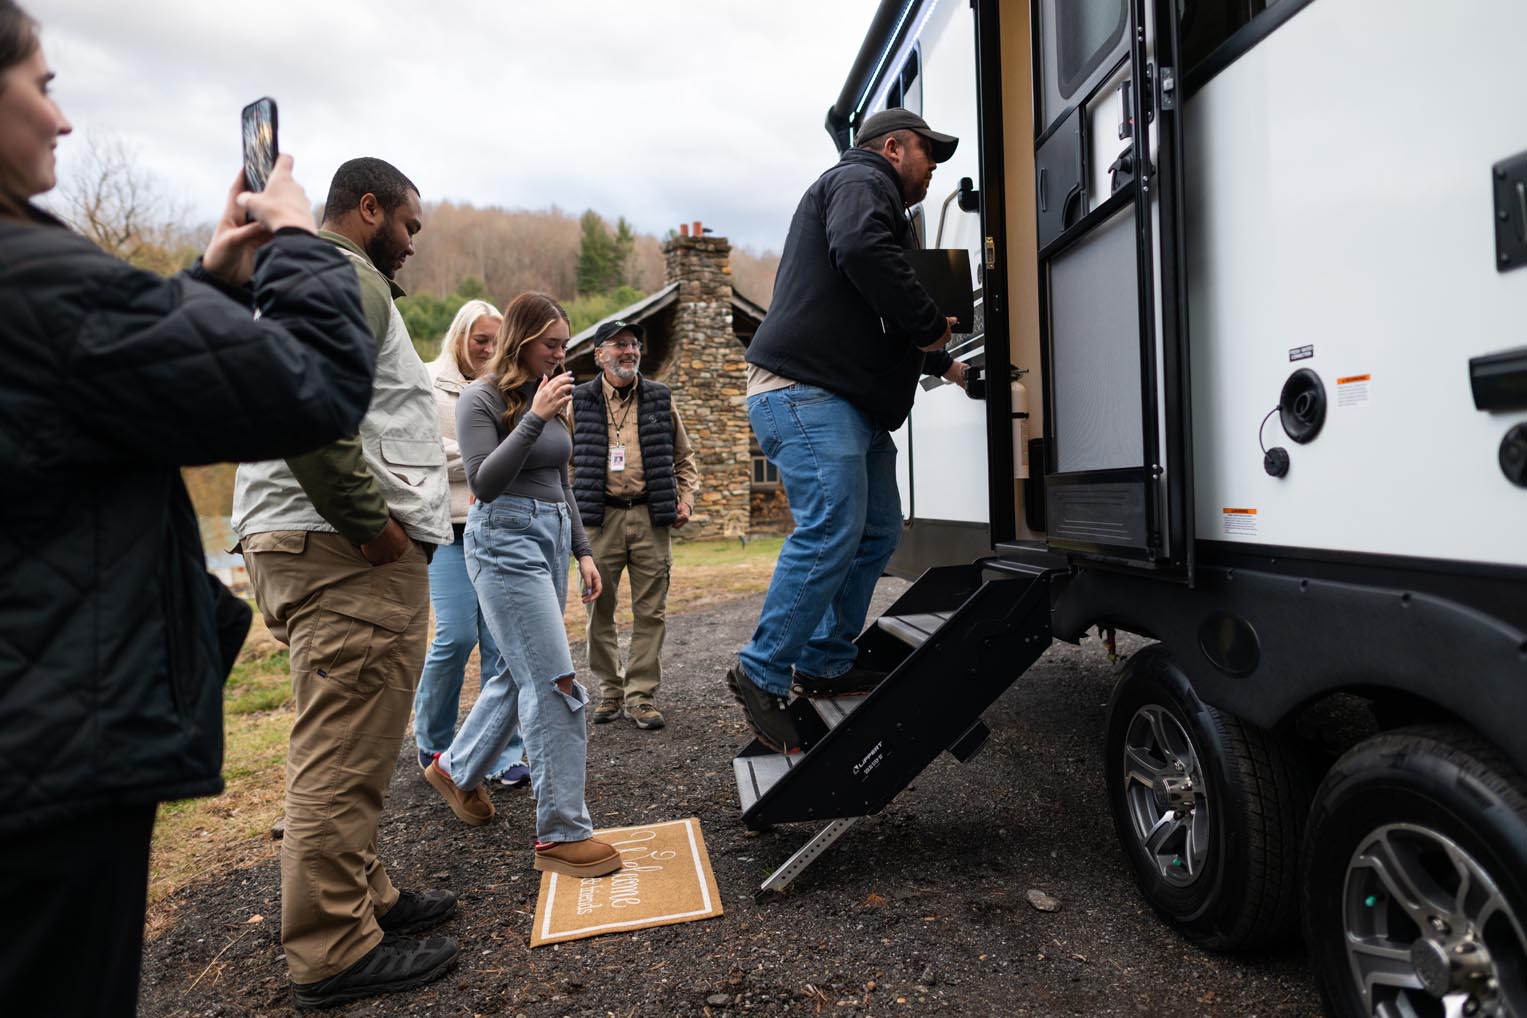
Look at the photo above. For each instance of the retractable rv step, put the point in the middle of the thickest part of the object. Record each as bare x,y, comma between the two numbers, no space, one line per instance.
756,774
965,632
913,630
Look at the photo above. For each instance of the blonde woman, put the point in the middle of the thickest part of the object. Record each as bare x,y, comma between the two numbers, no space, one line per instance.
459,623
512,426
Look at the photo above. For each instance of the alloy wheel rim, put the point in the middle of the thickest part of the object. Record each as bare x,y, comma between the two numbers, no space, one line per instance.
1167,795
1427,931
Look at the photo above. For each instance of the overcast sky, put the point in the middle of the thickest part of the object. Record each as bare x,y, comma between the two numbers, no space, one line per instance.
664,111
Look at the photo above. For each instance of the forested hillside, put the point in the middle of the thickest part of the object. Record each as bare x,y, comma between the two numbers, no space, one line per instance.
593,266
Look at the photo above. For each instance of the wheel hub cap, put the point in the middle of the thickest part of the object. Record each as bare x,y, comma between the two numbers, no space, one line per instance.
1425,922
1165,790
1431,962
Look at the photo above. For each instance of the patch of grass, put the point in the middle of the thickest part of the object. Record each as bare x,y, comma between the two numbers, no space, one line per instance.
705,554
259,685
704,573
193,837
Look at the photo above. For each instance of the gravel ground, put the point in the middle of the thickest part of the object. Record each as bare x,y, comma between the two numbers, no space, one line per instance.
921,909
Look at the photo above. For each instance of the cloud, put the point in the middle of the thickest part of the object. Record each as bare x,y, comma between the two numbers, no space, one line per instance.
661,112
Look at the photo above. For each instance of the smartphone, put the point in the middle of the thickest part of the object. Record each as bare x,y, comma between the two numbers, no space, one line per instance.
260,148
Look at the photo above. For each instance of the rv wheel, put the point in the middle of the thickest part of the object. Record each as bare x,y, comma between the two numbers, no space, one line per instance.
1416,879
1207,809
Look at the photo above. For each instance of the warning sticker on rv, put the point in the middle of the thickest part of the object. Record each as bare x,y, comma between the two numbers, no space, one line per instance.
1352,390
1239,522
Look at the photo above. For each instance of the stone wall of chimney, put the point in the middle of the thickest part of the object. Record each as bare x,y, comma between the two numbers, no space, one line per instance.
709,380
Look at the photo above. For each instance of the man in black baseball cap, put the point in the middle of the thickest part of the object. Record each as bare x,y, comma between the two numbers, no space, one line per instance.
609,330
900,119
831,373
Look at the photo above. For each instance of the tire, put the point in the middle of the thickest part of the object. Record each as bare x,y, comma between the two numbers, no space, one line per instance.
1221,864
1399,824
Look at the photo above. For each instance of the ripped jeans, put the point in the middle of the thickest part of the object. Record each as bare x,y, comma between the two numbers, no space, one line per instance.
517,556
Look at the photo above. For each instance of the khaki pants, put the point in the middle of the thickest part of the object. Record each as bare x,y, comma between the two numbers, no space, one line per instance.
357,635
628,542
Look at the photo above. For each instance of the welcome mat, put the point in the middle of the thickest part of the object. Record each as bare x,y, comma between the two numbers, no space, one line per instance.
666,879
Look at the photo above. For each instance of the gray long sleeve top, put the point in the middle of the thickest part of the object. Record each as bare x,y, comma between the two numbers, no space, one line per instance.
530,461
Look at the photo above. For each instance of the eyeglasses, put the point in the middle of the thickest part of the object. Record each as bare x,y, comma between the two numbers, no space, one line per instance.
625,344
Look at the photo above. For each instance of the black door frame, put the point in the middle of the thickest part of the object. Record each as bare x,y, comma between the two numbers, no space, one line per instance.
1156,105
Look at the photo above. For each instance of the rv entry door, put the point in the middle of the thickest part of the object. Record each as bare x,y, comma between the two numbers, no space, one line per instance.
1113,313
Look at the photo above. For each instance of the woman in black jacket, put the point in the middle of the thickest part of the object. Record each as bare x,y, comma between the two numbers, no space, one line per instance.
114,641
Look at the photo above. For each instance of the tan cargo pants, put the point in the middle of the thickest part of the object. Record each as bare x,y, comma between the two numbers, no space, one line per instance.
357,634
628,542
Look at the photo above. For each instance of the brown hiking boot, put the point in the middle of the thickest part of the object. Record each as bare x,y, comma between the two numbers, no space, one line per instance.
606,711
586,858
646,716
473,808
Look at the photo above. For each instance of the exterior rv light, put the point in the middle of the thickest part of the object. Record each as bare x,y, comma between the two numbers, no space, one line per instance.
1499,380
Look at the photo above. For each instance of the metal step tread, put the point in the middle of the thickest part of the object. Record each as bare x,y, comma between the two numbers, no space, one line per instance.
913,630
833,709
757,774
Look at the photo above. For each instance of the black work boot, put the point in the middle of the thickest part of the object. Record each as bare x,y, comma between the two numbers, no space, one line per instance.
768,715
397,963
418,910
855,680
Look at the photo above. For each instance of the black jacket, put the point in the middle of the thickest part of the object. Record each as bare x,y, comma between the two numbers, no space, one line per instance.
848,313
110,665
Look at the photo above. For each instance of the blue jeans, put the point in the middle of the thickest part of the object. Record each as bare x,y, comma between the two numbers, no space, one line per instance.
459,626
839,472
517,556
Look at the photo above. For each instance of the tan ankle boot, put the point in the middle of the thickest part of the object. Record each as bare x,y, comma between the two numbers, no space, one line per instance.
473,808
586,858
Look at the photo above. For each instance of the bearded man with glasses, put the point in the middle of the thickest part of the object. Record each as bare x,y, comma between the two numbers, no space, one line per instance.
635,480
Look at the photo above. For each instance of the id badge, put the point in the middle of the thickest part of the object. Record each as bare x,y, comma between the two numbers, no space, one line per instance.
617,458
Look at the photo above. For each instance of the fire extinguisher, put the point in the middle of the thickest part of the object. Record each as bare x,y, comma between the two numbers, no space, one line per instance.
1018,400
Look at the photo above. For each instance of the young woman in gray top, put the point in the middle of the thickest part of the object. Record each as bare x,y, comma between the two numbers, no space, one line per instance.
459,622
516,444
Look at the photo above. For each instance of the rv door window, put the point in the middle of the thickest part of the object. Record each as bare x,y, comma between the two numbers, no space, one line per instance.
1083,40
906,89
1085,33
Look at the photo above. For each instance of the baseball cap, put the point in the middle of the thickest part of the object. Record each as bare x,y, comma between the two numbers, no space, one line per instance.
609,330
899,119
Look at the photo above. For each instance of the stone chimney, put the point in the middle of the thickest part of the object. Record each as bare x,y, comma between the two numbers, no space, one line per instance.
709,380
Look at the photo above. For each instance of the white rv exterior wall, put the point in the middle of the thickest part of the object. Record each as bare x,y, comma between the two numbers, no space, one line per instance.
942,466
1339,196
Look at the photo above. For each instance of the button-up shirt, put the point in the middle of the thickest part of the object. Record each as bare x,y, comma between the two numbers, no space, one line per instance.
621,413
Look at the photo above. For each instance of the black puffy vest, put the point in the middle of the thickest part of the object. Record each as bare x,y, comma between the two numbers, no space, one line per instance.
591,447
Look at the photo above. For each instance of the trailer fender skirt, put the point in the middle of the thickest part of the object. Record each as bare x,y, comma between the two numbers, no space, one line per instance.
1260,644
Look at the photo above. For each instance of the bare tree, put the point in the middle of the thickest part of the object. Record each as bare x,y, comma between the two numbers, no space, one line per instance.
123,209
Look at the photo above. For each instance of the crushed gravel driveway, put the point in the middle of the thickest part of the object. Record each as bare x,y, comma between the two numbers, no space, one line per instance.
922,909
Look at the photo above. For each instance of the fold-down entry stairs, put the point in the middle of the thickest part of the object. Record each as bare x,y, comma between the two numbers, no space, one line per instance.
952,643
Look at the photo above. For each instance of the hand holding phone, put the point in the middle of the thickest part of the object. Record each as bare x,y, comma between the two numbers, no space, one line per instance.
260,144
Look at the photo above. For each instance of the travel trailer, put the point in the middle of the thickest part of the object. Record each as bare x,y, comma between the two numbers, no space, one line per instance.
1251,282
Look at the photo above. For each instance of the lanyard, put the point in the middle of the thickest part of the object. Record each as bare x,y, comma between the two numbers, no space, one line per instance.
620,425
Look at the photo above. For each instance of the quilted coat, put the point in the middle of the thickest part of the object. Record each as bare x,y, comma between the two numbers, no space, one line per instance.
110,666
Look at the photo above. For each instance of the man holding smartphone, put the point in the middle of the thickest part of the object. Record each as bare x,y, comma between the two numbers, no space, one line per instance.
337,544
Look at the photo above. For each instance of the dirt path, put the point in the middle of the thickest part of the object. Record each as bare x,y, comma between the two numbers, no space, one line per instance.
921,909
